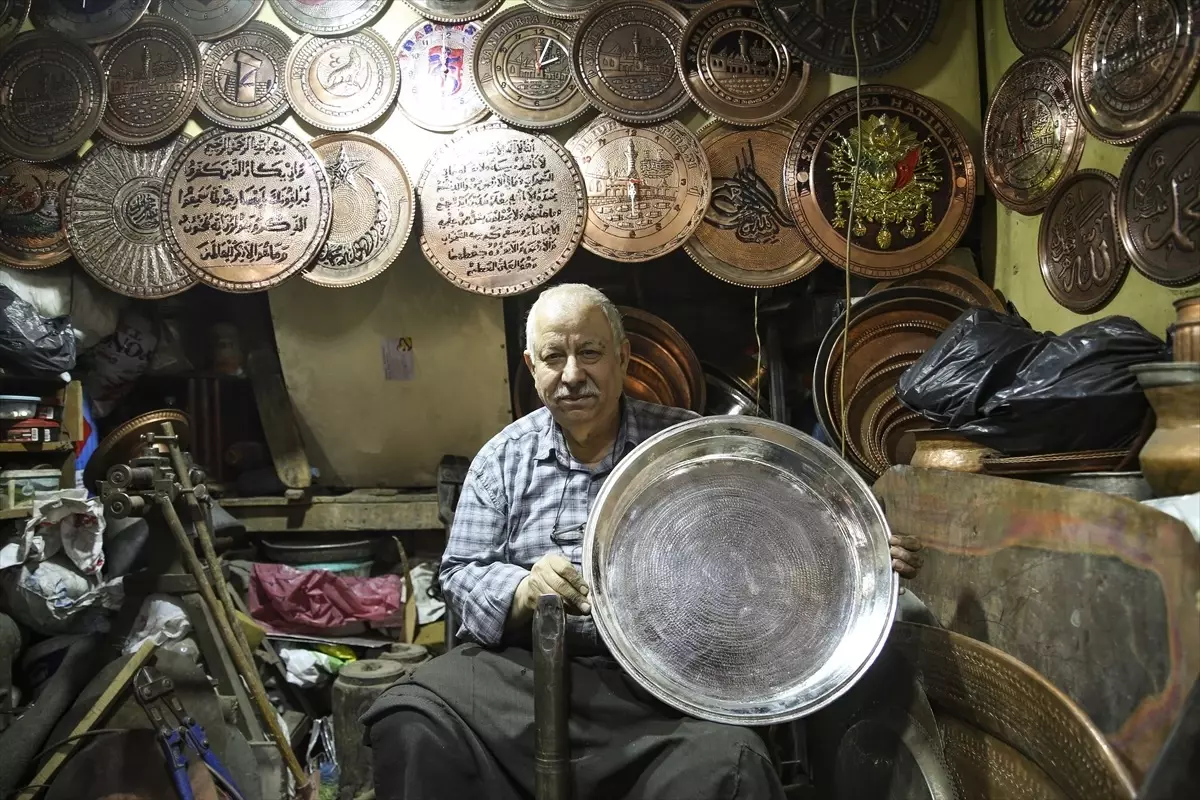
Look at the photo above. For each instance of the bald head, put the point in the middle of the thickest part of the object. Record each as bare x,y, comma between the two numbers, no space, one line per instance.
570,301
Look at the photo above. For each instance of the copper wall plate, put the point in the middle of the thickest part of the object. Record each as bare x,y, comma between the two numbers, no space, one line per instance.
54,94
437,80
327,17
373,210
99,23
748,236
623,56
1157,202
342,83
242,82
564,9
112,212
31,229
13,14
1042,24
736,68
1032,138
889,32
954,281
647,188
501,210
453,10
208,20
153,74
1007,699
1133,64
916,187
246,210
643,323
522,68
1080,252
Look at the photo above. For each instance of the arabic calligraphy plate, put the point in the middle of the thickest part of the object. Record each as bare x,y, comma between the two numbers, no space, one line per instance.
246,210
31,230
342,83
1158,200
437,81
913,204
502,210
748,236
453,10
372,210
112,209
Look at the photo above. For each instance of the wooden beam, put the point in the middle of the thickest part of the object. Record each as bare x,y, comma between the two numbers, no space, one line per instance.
357,511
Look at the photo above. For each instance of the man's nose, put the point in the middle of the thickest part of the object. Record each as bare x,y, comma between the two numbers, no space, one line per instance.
572,371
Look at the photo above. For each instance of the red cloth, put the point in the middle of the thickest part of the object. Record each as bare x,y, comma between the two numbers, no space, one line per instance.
318,601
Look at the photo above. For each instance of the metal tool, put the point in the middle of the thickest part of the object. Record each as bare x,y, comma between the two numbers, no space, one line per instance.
157,480
177,730
552,754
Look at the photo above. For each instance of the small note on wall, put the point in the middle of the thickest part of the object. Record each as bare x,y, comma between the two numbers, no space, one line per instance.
398,359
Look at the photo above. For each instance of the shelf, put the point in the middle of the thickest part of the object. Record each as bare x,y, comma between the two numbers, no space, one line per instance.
36,447
15,513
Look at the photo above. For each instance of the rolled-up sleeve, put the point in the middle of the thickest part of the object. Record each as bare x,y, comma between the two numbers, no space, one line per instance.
476,580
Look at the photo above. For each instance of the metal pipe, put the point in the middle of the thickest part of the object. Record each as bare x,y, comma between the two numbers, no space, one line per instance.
552,756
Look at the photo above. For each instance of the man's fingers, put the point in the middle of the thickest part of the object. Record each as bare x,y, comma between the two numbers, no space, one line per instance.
562,587
915,559
907,542
903,569
566,570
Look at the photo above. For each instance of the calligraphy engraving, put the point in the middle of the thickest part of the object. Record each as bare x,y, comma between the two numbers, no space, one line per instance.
244,207
745,203
1082,239
501,210
1166,201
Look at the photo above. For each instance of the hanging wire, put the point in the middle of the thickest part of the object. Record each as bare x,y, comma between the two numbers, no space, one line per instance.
850,221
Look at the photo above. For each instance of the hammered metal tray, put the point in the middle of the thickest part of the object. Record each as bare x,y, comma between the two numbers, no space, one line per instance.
740,570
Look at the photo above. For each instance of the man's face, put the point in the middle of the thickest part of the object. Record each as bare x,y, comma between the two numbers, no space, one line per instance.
578,370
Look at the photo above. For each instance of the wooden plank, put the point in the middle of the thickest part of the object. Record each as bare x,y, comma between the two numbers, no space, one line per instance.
277,414
356,512
1096,592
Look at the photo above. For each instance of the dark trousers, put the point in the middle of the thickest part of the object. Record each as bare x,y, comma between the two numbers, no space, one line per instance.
462,727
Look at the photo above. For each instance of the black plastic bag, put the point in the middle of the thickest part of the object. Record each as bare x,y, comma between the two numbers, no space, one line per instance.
998,382
30,343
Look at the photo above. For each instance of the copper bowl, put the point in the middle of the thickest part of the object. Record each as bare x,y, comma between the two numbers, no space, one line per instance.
939,448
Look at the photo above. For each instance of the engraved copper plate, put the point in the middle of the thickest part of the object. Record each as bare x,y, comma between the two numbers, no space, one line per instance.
564,9
624,60
453,10
952,280
372,209
31,232
1134,63
52,95
736,68
90,21
916,187
437,82
327,17
1042,24
1032,138
984,766
889,31
748,236
12,16
761,628
501,210
647,188
1158,203
1082,258
153,81
112,210
523,69
344,83
241,78
246,210
210,19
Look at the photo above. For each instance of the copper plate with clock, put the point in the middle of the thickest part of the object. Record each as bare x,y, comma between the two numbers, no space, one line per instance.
647,187
522,67
437,79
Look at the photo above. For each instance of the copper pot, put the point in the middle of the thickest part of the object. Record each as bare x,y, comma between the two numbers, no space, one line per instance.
1187,309
939,448
1185,341
1170,458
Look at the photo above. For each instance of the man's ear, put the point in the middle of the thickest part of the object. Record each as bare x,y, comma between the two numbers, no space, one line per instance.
529,361
626,352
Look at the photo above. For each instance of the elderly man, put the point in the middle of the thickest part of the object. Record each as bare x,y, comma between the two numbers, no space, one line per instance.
462,726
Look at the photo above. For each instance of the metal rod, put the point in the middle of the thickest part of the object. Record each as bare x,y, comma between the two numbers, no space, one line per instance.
552,758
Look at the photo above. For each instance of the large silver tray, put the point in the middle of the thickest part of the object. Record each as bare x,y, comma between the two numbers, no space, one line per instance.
740,570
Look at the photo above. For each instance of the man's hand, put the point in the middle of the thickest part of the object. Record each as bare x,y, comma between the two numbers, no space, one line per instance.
906,558
552,574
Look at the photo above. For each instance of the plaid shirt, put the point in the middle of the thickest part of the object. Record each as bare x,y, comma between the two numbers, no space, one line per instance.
525,495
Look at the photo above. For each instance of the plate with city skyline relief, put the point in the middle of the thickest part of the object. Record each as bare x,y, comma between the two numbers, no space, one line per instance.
748,236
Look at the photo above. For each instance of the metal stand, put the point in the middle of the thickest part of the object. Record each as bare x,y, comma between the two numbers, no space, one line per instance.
552,757
155,480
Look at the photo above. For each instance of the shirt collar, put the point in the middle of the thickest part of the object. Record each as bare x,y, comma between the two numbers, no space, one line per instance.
551,440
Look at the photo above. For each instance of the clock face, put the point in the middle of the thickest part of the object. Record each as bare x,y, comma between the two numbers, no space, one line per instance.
523,69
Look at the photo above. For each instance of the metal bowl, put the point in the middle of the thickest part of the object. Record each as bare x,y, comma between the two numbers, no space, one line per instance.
739,570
